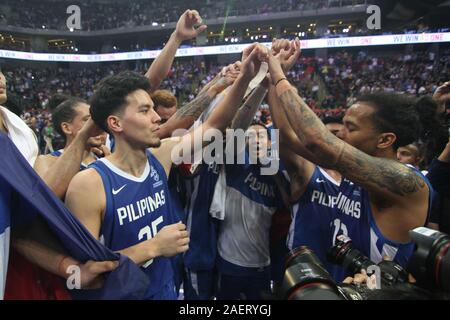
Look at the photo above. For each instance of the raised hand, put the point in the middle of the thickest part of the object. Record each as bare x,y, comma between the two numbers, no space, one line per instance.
287,52
90,129
442,95
94,138
252,57
186,26
227,76
97,145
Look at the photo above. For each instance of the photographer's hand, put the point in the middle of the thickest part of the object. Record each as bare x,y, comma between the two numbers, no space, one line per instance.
358,279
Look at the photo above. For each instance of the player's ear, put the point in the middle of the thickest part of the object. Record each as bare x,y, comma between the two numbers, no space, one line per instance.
66,128
114,123
385,140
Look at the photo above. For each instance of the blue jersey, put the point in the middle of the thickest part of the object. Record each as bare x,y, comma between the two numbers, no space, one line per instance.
58,153
201,226
5,222
136,209
328,209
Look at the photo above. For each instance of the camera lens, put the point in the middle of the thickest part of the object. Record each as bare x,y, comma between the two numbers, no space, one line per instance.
306,279
351,259
430,262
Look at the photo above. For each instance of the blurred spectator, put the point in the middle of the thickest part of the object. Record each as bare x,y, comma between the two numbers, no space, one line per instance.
126,14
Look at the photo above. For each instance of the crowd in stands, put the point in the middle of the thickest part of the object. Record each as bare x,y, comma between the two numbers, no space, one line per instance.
126,14
328,85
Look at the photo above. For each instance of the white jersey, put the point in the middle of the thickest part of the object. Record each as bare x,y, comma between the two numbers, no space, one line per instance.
251,200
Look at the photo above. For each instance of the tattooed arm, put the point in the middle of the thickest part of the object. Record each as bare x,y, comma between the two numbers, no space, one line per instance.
299,169
210,84
185,117
231,70
382,177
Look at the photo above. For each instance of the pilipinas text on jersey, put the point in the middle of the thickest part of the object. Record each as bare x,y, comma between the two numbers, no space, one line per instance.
136,209
328,209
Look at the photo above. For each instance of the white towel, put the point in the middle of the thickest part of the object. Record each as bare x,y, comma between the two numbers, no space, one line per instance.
258,78
21,135
217,208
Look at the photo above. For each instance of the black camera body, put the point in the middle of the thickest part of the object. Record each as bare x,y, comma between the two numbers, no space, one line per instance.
354,261
305,277
430,262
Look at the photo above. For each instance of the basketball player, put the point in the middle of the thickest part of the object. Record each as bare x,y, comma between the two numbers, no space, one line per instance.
243,240
379,199
71,120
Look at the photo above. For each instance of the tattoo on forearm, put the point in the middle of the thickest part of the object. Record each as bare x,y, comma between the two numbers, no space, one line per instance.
195,107
302,119
209,85
384,173
350,162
